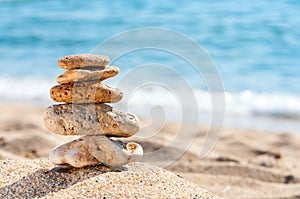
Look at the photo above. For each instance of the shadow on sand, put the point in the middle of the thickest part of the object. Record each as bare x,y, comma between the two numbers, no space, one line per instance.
50,181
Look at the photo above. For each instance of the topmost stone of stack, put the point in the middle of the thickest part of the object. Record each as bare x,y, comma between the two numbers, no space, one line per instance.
82,60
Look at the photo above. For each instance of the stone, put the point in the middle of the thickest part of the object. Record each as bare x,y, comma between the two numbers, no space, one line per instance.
88,74
91,150
90,119
85,92
82,60
74,153
84,113
113,152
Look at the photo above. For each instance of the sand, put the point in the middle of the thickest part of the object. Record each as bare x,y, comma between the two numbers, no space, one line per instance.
40,178
243,164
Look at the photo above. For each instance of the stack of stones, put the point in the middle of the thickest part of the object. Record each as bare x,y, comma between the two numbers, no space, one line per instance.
84,112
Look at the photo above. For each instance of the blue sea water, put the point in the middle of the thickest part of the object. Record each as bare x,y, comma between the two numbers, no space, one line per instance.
254,44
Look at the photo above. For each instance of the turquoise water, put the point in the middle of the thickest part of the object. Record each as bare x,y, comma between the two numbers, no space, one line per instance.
254,44
248,41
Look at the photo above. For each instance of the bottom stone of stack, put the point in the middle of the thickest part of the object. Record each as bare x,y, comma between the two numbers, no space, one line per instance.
95,149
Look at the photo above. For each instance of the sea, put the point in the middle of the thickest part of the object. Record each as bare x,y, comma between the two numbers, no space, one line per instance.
254,47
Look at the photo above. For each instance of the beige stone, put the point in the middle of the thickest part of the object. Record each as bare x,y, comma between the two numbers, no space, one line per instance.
81,152
113,152
90,119
85,92
82,60
74,153
88,74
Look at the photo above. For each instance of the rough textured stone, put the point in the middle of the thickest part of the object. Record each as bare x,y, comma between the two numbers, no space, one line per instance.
82,60
90,119
86,114
74,153
81,152
85,92
88,74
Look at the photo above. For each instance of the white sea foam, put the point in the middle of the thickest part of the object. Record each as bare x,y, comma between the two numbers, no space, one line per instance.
25,89
246,105
266,104
264,111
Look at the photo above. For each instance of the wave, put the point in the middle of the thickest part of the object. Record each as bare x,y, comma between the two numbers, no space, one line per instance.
263,104
247,103
25,89
266,111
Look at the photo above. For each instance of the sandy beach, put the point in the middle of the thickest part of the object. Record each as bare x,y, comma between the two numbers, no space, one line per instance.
235,65
243,164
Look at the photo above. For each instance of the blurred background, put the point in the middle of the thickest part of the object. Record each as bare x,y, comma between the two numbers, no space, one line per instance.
254,44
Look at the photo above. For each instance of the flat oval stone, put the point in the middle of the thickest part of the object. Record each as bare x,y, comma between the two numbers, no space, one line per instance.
82,60
91,150
90,119
113,152
88,74
85,92
74,153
